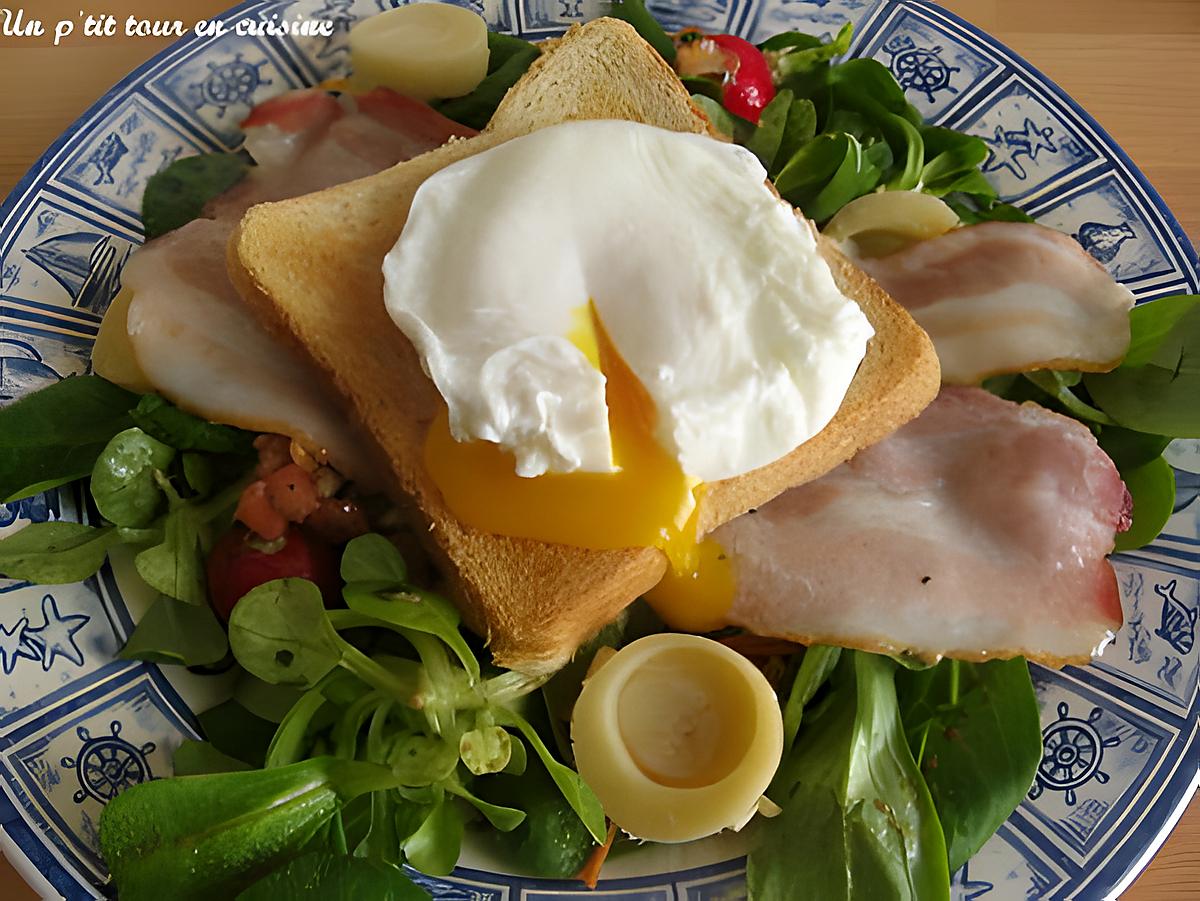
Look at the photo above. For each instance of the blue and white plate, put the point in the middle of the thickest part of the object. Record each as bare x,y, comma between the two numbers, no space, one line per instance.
77,726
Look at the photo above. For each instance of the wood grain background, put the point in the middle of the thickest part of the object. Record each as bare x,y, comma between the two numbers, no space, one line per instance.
1134,65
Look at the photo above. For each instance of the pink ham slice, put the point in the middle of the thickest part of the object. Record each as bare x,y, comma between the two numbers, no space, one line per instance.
1009,297
193,337
977,530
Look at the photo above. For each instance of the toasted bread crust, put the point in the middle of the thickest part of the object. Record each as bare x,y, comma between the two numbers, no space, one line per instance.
311,268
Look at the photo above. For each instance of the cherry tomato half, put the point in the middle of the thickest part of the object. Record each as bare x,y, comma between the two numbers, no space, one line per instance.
749,87
236,564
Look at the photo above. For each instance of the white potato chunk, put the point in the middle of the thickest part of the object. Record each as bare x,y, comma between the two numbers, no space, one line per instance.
679,736
424,50
878,224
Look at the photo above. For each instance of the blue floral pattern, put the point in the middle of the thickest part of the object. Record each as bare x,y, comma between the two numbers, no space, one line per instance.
77,725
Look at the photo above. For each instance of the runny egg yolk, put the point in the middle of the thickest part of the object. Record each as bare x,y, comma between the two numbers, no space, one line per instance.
648,502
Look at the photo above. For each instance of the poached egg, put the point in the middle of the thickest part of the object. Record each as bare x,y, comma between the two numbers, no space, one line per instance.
616,315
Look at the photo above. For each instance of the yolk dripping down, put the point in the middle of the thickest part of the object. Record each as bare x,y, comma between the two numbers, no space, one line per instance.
648,502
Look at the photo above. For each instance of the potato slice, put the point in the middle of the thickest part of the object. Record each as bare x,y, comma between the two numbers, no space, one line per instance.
112,355
878,224
425,51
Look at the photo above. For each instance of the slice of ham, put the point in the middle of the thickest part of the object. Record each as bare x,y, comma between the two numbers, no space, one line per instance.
200,347
977,530
1009,297
192,335
307,140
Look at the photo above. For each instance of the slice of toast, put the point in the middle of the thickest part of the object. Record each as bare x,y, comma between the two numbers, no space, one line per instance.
311,268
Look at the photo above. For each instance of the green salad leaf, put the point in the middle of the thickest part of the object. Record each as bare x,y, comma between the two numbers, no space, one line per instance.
372,558
173,562
279,632
508,58
972,213
434,847
635,13
54,435
720,118
1152,488
201,758
125,478
798,57
175,566
551,841
576,792
161,419
964,720
858,820
236,732
1155,389
334,877
212,836
55,553
173,631
816,667
503,819
177,195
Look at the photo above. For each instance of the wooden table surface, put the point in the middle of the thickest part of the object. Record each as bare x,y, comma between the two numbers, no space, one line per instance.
1134,66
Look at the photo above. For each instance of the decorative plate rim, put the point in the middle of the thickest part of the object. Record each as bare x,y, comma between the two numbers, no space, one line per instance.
29,186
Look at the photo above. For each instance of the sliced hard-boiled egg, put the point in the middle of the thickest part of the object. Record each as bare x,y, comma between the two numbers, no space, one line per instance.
423,50
679,736
877,224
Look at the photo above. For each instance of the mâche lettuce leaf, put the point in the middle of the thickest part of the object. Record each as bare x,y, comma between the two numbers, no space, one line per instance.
53,436
177,195
508,59
635,13
964,720
858,820
1155,389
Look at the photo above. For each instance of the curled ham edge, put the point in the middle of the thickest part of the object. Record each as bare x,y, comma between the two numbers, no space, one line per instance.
1070,630
963,288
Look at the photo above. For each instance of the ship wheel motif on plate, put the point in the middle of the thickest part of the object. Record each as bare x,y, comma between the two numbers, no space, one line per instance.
919,68
1072,750
231,83
108,765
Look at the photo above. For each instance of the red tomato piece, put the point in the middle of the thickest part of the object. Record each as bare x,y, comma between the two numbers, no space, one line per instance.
236,564
749,87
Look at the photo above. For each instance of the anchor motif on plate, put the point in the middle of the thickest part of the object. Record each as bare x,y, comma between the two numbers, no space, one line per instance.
919,68
1103,241
1007,145
108,765
230,83
1072,752
1178,628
